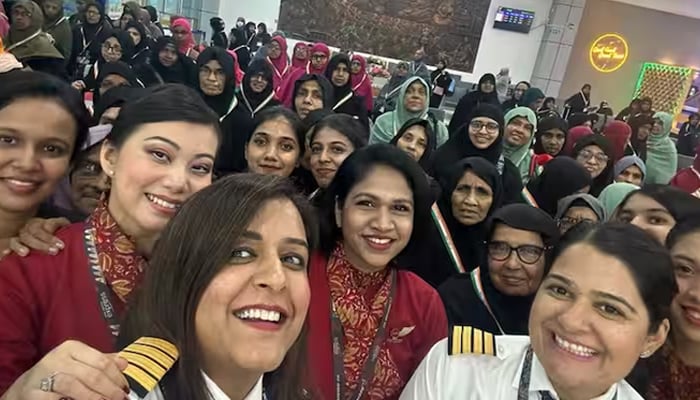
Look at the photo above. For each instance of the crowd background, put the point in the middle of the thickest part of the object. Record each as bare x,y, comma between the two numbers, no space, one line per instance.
376,238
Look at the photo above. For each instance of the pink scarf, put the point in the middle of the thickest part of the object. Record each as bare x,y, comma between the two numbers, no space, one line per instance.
189,43
237,72
362,82
280,65
318,48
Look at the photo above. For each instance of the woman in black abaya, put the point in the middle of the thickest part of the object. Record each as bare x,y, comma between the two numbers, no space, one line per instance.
485,93
497,297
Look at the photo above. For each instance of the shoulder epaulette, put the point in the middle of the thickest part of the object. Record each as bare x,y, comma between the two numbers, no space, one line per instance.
469,340
149,360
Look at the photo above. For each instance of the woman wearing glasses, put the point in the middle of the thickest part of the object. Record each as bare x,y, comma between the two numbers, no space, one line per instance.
594,152
482,137
497,296
118,46
604,304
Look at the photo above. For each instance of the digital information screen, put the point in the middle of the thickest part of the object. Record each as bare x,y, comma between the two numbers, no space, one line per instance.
512,19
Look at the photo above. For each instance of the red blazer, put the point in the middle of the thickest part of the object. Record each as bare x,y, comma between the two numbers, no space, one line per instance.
45,301
416,305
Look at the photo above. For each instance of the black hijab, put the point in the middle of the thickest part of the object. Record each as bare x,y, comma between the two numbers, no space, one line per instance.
115,68
431,259
339,92
126,43
639,146
460,146
115,97
426,158
463,305
140,52
326,89
561,177
221,104
257,67
546,124
471,101
606,177
183,71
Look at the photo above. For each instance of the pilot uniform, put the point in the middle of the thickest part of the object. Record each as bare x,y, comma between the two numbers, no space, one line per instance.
149,361
476,365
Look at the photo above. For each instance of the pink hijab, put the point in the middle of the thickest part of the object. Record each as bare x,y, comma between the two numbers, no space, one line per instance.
575,134
237,72
362,82
4,21
280,65
285,93
189,41
300,62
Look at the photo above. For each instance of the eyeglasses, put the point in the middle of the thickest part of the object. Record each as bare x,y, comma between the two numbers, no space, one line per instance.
319,57
586,155
259,77
567,223
527,253
113,49
21,13
92,12
478,125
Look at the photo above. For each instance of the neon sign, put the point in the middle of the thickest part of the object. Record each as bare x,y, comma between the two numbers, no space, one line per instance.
608,52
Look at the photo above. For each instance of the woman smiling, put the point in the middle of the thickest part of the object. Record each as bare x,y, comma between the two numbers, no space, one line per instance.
276,145
604,304
239,314
370,322
159,153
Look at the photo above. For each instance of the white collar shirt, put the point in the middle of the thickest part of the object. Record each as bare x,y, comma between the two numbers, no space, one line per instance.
485,377
215,392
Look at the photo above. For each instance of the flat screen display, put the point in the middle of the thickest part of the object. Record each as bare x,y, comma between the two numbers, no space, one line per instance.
512,19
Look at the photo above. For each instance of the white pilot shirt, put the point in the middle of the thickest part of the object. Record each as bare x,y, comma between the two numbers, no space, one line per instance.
484,377
216,393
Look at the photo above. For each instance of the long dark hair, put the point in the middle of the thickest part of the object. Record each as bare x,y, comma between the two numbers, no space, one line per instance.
185,262
15,85
354,169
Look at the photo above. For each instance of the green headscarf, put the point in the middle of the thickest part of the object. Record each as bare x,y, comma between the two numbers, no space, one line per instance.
662,156
612,196
40,45
387,125
521,156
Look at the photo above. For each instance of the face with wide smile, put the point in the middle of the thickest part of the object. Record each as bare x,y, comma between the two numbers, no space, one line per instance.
34,153
483,132
685,309
513,276
376,219
258,83
273,149
157,168
328,151
589,324
253,310
518,132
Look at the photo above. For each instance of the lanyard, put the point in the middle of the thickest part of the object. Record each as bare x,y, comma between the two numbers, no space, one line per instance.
343,101
447,238
23,41
55,24
364,78
372,356
479,289
529,198
103,291
260,106
86,45
279,74
525,375
234,103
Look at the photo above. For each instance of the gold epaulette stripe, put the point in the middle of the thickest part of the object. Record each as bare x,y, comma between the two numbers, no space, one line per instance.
160,357
141,378
162,345
149,360
468,340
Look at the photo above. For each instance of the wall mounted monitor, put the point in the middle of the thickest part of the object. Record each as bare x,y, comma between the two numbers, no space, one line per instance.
513,19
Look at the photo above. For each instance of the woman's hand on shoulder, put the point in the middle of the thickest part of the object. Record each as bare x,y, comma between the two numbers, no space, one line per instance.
72,370
37,234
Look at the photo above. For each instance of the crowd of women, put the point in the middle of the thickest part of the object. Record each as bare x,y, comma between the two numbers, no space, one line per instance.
213,229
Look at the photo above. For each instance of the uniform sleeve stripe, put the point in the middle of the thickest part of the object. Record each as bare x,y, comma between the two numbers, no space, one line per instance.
489,344
144,382
456,340
467,340
162,345
155,354
146,364
478,341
